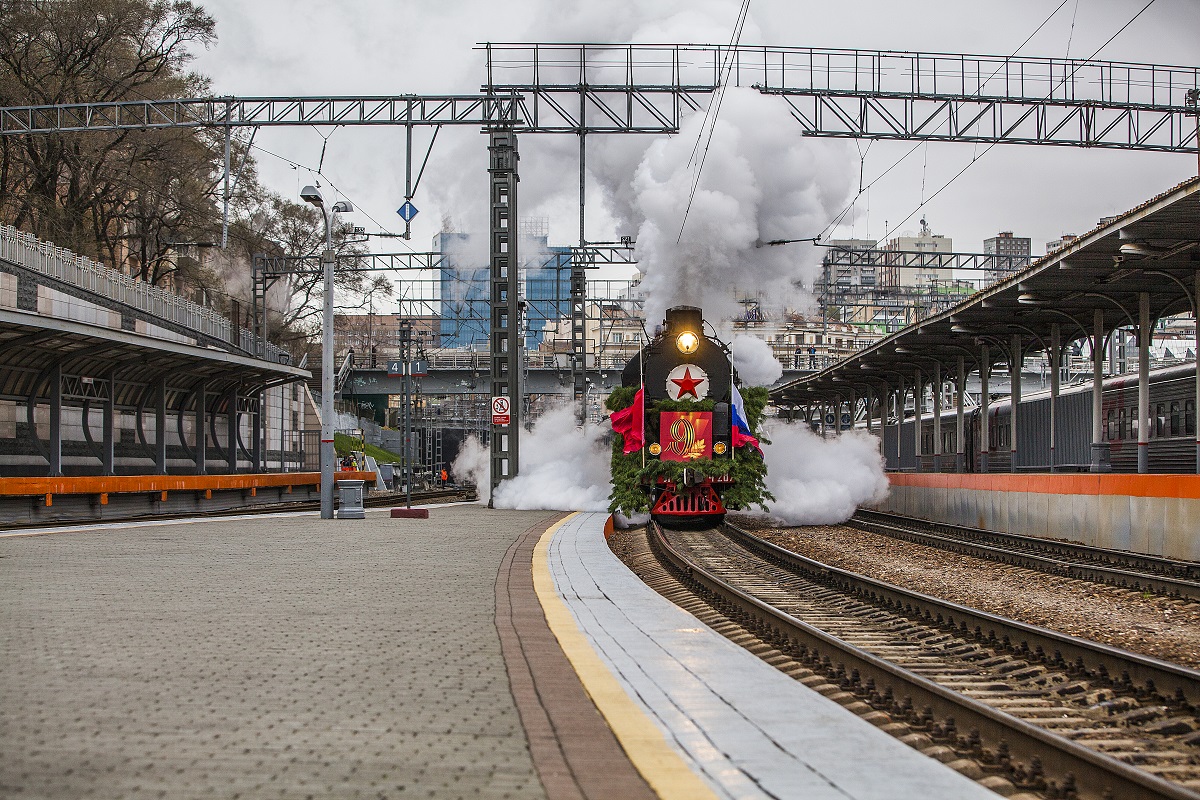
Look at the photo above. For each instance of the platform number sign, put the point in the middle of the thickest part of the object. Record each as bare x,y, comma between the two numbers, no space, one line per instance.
500,411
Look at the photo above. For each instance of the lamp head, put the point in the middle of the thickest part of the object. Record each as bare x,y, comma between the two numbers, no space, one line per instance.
343,207
310,194
687,342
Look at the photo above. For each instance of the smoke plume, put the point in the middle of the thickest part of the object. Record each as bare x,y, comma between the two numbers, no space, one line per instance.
761,181
756,365
473,465
821,481
563,467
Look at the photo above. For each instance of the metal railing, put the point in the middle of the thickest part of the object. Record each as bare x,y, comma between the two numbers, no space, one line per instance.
28,251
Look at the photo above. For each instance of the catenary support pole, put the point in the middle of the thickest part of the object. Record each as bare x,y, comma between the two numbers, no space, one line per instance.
1144,421
225,193
899,422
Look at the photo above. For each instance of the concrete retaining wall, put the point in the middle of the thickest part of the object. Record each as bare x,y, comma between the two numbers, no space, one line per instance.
1153,514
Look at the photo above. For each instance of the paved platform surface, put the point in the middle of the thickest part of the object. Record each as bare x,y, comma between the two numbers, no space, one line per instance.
266,657
745,727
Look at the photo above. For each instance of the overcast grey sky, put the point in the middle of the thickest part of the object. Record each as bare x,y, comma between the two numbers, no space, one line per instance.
285,47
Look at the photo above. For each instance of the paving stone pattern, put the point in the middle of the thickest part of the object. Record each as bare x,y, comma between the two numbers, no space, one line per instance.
285,657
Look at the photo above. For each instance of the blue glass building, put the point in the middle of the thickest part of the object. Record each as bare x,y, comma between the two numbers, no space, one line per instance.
463,283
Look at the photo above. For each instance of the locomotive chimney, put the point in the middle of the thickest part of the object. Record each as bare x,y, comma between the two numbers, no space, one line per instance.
684,318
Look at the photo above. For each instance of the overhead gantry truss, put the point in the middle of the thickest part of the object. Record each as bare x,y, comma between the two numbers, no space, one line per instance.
650,88
925,259
872,94
220,112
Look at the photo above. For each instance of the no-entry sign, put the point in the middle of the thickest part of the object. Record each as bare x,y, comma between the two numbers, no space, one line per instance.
500,411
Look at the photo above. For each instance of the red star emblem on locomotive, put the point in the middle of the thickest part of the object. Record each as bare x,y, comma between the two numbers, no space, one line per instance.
687,384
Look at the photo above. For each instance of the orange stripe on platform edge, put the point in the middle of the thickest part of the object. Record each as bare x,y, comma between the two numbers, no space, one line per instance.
1169,486
117,484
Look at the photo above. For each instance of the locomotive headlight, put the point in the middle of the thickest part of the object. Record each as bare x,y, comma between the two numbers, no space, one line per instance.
687,342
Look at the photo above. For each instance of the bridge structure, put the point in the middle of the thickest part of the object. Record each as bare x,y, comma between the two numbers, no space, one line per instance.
591,89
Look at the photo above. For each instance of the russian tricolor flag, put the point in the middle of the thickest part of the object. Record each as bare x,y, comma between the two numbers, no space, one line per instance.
741,428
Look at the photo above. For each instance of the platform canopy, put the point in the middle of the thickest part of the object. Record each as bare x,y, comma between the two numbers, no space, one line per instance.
32,344
1153,249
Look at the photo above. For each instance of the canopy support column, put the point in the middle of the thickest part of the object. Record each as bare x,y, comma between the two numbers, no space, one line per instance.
985,369
918,398
960,422
1144,422
160,427
1055,370
55,456
1100,462
937,416
1015,359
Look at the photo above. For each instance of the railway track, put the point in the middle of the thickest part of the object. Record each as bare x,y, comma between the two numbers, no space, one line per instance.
1024,706
378,501
1114,567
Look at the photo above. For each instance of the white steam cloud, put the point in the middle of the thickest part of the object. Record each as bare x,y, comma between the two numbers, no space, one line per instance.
563,467
821,481
761,181
473,465
756,365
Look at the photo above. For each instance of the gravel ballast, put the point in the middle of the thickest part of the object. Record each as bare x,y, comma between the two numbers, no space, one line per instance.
1140,622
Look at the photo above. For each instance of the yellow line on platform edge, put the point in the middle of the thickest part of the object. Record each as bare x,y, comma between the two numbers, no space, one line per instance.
644,742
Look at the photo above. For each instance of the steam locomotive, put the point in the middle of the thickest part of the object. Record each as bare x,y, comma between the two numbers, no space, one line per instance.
685,440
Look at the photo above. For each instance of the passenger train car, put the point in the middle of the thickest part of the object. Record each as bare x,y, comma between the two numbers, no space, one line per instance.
1172,441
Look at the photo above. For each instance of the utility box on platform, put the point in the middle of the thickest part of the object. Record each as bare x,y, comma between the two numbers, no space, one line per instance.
350,500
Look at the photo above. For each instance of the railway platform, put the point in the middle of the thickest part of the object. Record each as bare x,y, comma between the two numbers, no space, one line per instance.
476,653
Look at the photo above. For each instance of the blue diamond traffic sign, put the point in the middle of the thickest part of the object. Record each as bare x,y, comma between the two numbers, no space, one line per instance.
407,211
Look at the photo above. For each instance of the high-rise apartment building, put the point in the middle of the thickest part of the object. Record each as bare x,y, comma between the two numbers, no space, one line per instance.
1019,248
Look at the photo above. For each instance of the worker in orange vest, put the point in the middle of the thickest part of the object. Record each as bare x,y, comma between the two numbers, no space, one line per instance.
445,476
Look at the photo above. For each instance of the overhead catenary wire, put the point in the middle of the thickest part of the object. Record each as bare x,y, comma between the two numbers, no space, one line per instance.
988,149
854,200
710,120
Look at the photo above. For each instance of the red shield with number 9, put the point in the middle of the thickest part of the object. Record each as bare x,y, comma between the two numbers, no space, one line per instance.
685,435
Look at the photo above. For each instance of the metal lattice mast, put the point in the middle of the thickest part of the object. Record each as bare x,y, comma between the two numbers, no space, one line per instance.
506,345
579,266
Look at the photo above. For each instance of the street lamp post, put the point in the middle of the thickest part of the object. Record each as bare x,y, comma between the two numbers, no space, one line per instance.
310,194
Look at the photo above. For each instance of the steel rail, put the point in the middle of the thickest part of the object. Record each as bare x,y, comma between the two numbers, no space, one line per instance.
1150,675
904,528
1090,773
